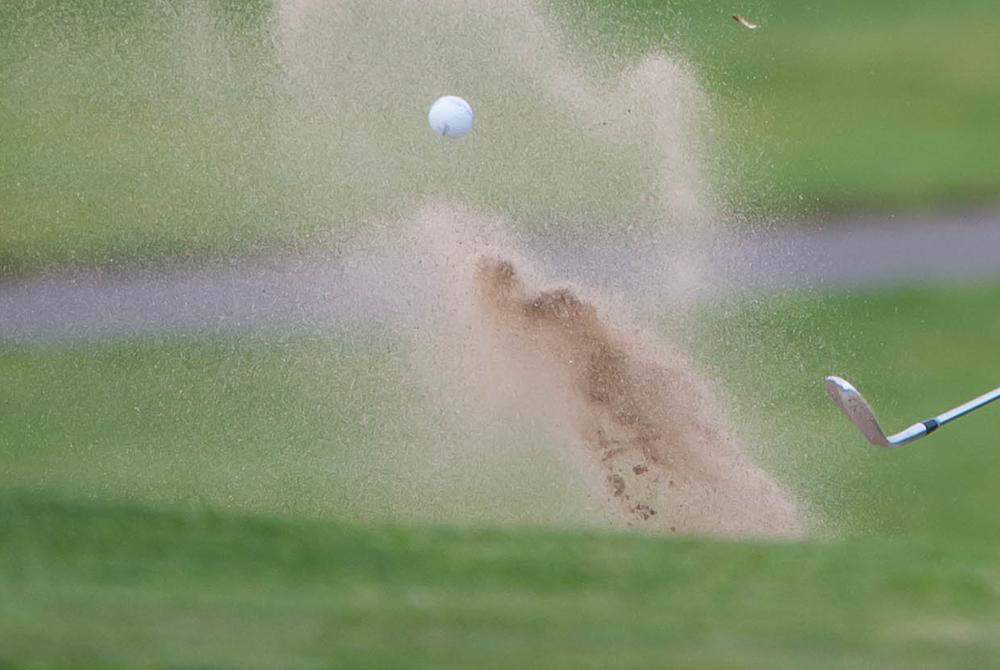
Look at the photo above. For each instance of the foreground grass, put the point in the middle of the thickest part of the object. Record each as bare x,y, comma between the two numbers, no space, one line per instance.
114,586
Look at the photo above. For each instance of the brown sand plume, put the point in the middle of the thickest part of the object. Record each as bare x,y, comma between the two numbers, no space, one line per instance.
649,431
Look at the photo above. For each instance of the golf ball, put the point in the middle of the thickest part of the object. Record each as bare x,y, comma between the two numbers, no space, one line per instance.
450,116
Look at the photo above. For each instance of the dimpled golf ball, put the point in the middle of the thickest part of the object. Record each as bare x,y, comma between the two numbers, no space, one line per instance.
450,116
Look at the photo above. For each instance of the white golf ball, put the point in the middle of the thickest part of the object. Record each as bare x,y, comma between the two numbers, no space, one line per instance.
450,116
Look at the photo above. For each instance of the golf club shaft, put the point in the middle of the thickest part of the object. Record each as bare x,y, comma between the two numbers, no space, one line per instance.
922,428
975,403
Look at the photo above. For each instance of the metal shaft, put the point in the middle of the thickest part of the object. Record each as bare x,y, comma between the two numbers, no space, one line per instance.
975,403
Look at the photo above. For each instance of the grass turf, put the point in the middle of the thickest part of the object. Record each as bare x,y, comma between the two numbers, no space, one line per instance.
222,522
93,584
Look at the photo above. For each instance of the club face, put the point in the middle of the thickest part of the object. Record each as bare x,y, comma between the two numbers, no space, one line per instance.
854,407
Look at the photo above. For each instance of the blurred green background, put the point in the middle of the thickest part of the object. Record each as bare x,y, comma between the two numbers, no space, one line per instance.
262,500
134,131
842,106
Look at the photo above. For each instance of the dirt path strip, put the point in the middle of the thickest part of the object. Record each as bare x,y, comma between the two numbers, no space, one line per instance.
347,291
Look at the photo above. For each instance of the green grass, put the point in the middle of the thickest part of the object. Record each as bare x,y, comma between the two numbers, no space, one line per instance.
290,423
349,426
238,501
103,585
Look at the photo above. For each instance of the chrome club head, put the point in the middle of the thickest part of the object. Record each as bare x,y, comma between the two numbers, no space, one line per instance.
855,408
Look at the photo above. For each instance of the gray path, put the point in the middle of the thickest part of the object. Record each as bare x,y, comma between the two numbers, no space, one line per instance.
340,291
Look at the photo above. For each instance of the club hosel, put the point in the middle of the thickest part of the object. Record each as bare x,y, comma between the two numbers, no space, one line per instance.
913,432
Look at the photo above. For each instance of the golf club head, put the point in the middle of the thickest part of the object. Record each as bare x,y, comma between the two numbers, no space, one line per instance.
855,408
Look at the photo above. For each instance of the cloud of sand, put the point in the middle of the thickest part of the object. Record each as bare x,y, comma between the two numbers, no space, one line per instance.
639,425
490,329
580,147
